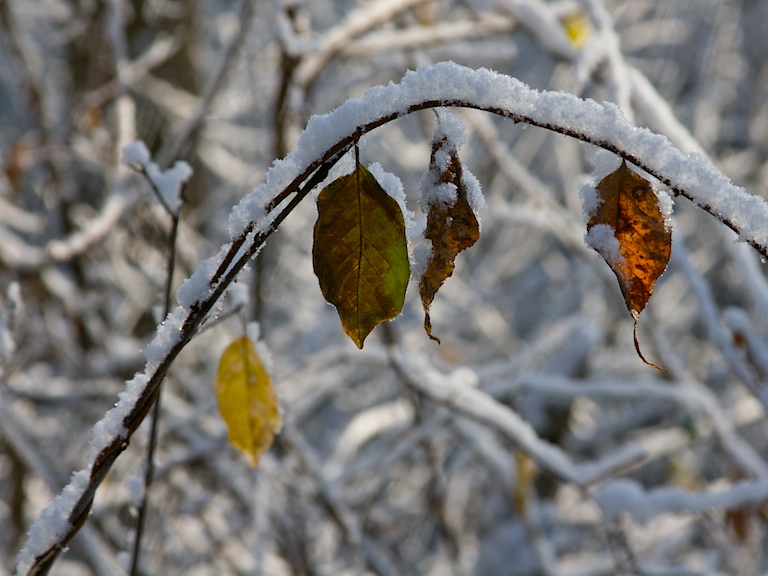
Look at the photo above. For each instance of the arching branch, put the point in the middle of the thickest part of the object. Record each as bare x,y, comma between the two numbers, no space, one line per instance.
323,143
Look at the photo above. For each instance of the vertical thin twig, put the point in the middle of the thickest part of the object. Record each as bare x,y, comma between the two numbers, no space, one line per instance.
149,465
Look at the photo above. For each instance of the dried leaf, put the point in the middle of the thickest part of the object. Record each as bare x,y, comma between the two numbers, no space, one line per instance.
451,227
630,209
526,475
247,401
360,254
739,520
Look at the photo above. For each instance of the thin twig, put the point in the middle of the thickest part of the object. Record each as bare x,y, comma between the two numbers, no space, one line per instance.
149,461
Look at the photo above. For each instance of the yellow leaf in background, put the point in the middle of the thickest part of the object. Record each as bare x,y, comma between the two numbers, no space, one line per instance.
526,475
247,401
578,28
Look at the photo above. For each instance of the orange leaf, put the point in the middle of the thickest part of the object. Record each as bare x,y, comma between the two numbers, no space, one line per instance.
452,227
632,235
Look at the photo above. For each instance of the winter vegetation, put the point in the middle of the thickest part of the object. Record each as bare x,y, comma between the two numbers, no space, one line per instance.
161,173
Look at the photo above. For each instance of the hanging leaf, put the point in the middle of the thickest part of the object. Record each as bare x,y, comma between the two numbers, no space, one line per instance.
360,254
451,223
632,235
247,401
527,472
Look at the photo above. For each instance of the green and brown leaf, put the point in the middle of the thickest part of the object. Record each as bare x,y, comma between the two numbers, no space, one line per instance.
360,253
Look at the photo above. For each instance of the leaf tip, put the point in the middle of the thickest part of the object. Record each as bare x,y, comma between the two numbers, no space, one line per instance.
636,316
428,327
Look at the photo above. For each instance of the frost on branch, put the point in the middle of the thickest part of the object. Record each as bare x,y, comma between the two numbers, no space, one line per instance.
168,183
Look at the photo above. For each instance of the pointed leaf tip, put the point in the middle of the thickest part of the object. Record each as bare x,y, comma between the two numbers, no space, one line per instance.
631,233
360,253
247,401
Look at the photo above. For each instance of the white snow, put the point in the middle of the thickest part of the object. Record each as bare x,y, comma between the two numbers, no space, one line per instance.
420,257
449,136
603,163
450,127
197,286
343,167
602,239
52,523
474,190
136,154
590,200
393,186
666,207
168,183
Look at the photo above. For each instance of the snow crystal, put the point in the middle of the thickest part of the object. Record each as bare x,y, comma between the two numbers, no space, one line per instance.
444,194
52,524
434,192
342,168
197,286
590,201
602,238
474,190
112,426
604,163
393,186
166,337
136,154
420,257
252,209
666,206
450,127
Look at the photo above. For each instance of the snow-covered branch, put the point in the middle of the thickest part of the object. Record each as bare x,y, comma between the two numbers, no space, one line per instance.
324,141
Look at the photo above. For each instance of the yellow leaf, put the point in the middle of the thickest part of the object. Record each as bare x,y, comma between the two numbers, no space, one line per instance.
578,29
360,254
526,475
247,401
450,227
630,209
